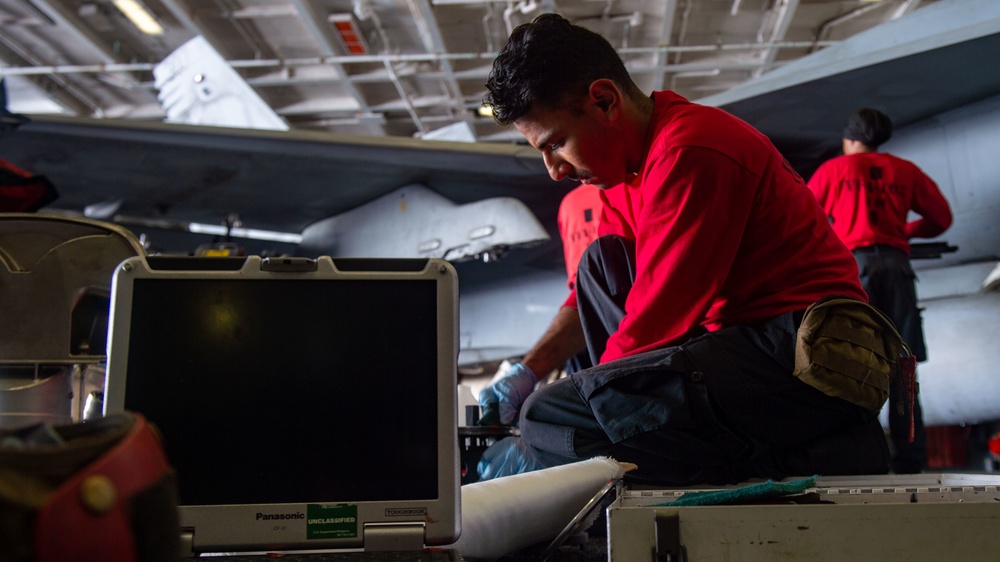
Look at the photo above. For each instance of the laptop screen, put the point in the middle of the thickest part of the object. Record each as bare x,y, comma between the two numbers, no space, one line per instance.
328,387
290,378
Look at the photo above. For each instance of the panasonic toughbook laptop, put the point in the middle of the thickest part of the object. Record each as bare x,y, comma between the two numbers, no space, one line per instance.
305,404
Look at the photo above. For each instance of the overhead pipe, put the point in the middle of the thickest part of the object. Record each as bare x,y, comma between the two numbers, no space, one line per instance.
783,12
65,19
906,7
523,7
399,57
666,32
628,20
405,98
434,42
824,29
692,74
682,34
487,33
75,95
387,59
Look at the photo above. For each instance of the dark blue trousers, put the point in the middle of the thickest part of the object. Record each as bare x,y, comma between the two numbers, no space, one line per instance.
720,408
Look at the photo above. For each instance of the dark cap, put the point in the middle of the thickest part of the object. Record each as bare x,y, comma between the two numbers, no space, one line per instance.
870,126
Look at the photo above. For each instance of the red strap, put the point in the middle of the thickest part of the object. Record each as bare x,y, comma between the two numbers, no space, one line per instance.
908,370
21,192
67,528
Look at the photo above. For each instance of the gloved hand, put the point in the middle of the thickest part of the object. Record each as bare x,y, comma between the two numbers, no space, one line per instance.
506,457
501,401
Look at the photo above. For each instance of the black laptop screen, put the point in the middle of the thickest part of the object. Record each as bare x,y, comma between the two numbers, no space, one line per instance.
325,389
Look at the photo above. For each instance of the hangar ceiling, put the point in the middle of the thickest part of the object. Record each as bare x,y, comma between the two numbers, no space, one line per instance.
401,68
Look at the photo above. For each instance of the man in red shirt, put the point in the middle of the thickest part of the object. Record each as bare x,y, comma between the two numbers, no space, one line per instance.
711,248
867,196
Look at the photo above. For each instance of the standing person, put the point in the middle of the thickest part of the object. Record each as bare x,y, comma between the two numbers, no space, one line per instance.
867,196
562,344
711,250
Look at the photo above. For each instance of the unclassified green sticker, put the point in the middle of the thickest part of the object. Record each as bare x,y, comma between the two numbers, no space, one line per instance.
331,521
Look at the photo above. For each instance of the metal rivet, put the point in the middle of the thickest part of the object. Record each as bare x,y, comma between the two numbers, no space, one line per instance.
98,493
697,376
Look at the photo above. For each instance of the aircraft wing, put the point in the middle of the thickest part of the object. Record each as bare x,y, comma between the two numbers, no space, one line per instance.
935,59
274,180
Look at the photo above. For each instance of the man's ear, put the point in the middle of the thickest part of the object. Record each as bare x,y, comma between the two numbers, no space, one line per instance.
606,97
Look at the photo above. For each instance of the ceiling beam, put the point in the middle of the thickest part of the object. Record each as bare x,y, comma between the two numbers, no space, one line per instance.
183,15
433,41
330,50
778,19
666,34
906,7
824,29
68,22
55,87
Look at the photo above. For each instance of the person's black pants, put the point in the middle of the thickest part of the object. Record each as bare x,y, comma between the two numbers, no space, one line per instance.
720,408
888,278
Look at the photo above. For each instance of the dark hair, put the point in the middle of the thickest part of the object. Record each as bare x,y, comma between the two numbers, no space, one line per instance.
548,62
870,126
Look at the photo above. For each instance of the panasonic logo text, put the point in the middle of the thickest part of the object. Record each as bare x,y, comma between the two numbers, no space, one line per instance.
279,516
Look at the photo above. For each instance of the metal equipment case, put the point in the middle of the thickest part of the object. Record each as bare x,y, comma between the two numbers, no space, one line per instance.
887,517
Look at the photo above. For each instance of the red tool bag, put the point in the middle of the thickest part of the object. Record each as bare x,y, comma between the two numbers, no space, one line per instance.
100,490
21,192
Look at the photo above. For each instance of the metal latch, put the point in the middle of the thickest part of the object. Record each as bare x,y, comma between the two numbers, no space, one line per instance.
386,537
288,265
668,537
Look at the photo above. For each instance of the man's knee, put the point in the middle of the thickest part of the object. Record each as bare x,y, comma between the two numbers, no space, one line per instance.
528,409
610,252
533,407
553,415
555,403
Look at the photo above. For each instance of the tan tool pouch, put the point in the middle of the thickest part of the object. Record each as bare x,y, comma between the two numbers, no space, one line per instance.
848,349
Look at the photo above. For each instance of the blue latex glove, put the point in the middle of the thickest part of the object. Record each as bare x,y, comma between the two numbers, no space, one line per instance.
506,457
502,400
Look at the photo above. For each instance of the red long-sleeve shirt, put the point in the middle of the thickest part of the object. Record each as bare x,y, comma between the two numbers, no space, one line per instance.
726,232
869,195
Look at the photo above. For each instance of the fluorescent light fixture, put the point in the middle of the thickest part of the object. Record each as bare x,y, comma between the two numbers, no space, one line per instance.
251,233
139,16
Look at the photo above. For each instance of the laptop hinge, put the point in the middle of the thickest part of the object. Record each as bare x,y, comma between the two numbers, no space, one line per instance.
187,542
383,537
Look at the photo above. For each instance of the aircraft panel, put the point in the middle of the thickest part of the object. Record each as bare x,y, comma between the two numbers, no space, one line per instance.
805,121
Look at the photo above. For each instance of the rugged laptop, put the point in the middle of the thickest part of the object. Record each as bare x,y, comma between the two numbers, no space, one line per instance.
305,404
